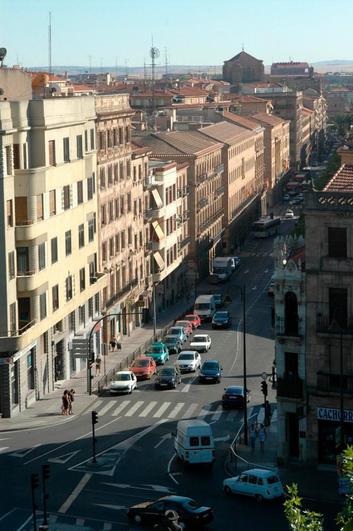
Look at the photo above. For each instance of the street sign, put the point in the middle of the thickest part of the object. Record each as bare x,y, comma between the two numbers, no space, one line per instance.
264,375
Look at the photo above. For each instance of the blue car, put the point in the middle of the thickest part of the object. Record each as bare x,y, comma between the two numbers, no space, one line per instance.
159,352
221,320
211,371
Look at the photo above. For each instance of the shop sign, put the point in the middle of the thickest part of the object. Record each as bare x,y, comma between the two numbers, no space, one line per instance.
334,415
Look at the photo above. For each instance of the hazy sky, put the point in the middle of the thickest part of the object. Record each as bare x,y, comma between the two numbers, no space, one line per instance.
194,31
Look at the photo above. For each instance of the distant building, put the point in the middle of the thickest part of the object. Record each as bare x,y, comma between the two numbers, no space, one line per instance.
247,105
243,68
297,69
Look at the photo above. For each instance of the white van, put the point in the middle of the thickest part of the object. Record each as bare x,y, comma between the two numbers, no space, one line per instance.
222,268
205,307
194,442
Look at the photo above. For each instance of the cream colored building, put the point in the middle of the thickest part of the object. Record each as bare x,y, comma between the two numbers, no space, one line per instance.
50,283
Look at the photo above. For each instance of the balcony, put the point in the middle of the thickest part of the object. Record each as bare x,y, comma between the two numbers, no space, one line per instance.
291,331
337,265
184,243
219,168
330,383
290,387
202,203
325,327
121,293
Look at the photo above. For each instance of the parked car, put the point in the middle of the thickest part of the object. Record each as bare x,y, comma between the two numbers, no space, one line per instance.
218,299
143,367
235,264
186,325
289,214
221,320
201,343
173,344
188,361
168,377
233,396
257,482
286,197
123,382
211,371
194,319
178,331
190,513
159,352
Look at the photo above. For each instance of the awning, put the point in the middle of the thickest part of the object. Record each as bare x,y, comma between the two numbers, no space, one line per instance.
158,230
157,198
159,260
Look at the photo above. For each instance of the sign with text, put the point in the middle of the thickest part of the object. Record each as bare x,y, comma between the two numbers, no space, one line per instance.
334,415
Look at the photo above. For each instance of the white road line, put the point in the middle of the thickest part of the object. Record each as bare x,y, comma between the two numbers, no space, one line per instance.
106,408
161,410
175,410
134,408
75,493
169,469
216,415
80,521
24,523
246,271
119,409
7,514
190,410
148,409
186,387
96,405
107,526
4,448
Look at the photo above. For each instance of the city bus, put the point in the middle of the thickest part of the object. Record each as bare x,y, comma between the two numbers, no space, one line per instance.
264,227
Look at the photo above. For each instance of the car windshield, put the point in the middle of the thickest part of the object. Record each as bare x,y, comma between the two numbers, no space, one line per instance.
186,357
234,390
272,479
200,339
171,339
174,332
140,363
202,306
221,315
210,365
156,350
122,377
168,371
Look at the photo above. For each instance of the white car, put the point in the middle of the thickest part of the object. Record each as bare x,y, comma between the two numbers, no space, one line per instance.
289,214
123,382
201,343
257,482
188,361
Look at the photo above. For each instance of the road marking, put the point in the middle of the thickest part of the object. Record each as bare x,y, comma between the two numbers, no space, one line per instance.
190,410
219,439
169,468
216,415
75,493
147,409
80,521
25,452
186,387
106,408
144,486
246,271
163,438
119,409
24,523
134,408
115,507
62,459
254,288
161,410
5,439
175,410
266,271
4,448
96,404
107,526
7,514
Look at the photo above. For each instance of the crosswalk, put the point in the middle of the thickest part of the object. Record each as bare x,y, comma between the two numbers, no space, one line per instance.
165,410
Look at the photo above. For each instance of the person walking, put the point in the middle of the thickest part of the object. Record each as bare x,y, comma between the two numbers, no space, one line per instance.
98,366
65,403
252,437
113,343
262,437
71,399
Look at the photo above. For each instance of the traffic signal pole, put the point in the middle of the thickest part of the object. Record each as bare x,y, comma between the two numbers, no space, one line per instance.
244,369
34,485
45,476
94,422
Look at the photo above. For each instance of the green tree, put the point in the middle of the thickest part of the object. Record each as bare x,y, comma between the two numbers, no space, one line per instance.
345,517
300,519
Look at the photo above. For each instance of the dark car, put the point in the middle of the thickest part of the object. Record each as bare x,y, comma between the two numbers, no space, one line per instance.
190,513
221,320
211,371
168,377
173,344
218,300
234,397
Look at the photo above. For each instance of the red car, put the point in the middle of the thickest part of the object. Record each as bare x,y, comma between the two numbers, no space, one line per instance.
186,325
194,319
143,368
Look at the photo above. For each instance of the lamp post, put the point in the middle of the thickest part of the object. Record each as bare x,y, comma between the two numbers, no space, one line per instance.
244,367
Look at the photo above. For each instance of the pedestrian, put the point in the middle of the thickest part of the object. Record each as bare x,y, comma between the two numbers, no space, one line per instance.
113,343
253,437
65,403
262,437
71,399
98,366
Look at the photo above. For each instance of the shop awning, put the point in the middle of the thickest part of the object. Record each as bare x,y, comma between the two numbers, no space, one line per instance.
158,230
157,198
159,260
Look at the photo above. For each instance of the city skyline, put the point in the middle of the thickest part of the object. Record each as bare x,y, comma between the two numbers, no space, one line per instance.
172,30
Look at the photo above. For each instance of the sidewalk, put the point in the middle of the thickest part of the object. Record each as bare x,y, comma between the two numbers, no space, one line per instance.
47,411
313,484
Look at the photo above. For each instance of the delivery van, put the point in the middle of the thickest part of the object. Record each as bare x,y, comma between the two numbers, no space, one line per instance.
194,442
222,268
205,307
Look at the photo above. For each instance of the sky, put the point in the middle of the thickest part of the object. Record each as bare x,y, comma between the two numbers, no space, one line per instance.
194,32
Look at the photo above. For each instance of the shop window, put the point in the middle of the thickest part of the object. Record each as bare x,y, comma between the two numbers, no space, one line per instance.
30,371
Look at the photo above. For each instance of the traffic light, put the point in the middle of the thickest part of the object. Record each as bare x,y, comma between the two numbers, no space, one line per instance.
34,481
46,471
264,387
94,417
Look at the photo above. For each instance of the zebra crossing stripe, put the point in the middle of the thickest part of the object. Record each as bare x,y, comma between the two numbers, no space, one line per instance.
134,408
161,410
120,408
175,410
106,408
216,414
148,409
190,411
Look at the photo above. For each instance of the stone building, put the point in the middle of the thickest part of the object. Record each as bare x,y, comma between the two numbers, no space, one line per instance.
247,105
243,68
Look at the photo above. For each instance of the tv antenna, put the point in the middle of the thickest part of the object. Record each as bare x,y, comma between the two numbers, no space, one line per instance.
154,54
3,53
49,44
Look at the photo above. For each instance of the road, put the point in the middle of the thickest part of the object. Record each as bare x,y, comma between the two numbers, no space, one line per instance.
135,455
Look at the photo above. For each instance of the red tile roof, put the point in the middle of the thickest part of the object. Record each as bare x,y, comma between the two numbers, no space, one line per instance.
269,119
243,121
342,181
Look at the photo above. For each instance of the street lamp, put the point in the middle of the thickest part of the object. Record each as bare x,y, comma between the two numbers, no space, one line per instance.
244,368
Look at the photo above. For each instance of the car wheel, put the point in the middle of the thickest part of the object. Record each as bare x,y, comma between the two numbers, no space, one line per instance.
227,490
259,498
137,519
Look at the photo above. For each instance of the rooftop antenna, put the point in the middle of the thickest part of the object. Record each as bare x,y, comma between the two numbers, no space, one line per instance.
154,53
166,62
242,46
126,70
49,44
144,71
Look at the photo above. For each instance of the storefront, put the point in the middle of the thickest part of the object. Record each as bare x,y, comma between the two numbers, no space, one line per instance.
329,432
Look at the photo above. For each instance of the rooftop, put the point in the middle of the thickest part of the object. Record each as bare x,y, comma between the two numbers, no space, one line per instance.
187,142
243,121
342,181
226,132
269,119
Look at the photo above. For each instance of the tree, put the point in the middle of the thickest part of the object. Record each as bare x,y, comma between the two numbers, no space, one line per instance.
300,519
345,517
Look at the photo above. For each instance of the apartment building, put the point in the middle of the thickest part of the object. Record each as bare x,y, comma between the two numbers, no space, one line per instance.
50,283
242,187
121,223
316,102
247,105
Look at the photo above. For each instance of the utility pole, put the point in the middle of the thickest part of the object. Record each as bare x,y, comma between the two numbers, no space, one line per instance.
94,422
244,369
34,485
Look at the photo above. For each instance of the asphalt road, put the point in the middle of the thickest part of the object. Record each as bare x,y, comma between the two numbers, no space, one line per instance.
135,454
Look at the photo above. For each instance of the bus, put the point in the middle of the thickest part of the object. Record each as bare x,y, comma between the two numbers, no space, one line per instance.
264,227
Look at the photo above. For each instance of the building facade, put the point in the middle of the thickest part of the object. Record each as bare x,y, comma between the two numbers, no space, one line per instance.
243,68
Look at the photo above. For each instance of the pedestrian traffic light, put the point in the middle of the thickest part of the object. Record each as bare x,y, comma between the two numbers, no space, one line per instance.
46,471
264,387
94,417
34,481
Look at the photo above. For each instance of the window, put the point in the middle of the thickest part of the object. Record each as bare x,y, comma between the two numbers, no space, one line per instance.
128,169
102,178
338,306
43,305
117,243
25,156
11,258
68,246
86,140
39,199
92,272
55,297
82,279
82,315
194,441
122,205
66,197
79,148
52,202
337,242
79,192
104,252
111,211
110,174
90,307
72,322
66,149
92,139
51,146
129,236
116,173
127,134
111,247
54,250
9,155
81,235
9,213
90,188
68,283
22,260
91,230
121,135
103,215
13,320
205,440
30,371
122,239
116,202
41,256
16,156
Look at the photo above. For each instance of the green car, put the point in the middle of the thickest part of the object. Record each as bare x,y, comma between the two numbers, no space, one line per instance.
159,352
